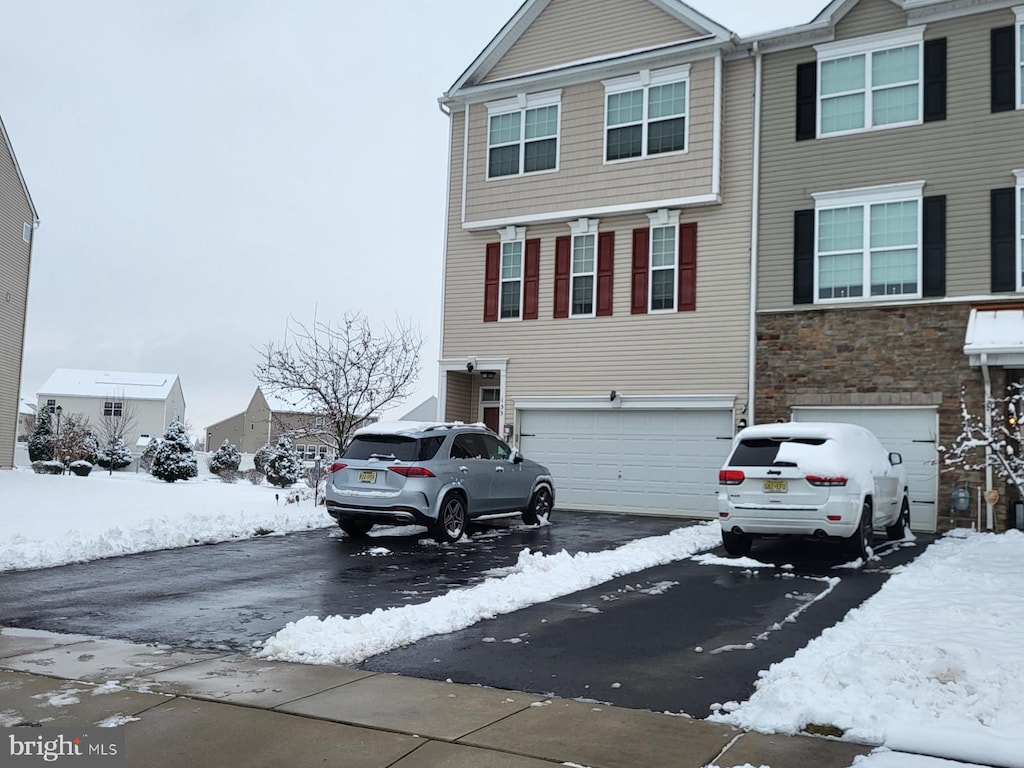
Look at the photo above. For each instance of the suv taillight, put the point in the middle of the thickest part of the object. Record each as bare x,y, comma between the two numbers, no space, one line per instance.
730,477
411,471
336,466
825,482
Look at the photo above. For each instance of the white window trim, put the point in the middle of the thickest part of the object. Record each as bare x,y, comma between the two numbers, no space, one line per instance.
1019,79
866,197
582,228
521,103
866,46
645,80
1019,174
511,235
659,220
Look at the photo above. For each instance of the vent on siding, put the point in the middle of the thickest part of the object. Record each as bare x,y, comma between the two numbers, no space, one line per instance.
26,233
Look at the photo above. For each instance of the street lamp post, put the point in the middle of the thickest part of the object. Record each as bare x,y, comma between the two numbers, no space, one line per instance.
56,437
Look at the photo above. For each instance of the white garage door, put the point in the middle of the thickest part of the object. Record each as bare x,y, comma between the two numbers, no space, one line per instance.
908,431
620,460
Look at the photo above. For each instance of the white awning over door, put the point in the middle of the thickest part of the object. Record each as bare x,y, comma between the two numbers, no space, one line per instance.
995,337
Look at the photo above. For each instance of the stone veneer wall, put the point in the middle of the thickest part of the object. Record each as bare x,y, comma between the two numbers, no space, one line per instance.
878,356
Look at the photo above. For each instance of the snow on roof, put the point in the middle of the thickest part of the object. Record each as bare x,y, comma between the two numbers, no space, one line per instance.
73,382
287,401
996,333
26,407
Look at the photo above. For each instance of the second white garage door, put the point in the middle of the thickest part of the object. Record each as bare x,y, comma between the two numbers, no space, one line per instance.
908,431
622,460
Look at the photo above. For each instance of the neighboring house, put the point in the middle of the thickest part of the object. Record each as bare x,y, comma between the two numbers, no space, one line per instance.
891,215
267,417
144,403
597,268
425,411
26,419
18,222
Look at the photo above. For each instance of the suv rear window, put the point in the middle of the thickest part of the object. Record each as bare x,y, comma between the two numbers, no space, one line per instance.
397,447
761,451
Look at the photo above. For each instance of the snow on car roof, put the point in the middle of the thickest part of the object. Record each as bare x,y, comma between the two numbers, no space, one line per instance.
408,427
825,429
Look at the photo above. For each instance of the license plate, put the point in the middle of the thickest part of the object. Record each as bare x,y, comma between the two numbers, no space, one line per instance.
776,486
367,477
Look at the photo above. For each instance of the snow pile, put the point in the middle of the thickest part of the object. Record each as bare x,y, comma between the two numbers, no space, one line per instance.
932,663
535,578
55,519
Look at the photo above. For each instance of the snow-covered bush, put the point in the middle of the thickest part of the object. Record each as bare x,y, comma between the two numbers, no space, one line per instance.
115,455
49,467
146,459
224,458
261,457
40,442
254,476
175,459
284,466
80,467
1002,435
229,476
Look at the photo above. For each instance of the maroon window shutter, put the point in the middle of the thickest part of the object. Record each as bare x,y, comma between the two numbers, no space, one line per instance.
605,272
641,259
687,267
563,247
491,280
531,280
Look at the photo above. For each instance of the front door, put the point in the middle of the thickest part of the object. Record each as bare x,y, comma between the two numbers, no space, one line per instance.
490,408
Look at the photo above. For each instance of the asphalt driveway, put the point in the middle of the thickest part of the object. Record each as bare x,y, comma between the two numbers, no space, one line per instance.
679,637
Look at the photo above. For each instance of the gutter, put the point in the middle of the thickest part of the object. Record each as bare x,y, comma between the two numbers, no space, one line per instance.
989,511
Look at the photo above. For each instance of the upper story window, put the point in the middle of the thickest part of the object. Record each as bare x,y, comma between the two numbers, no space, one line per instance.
1020,56
868,243
664,260
871,82
511,291
51,406
583,268
522,134
646,113
113,408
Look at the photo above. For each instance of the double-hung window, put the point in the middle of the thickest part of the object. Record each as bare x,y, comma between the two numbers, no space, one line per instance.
868,243
1020,56
510,293
1020,229
647,113
522,134
871,82
114,409
664,260
583,268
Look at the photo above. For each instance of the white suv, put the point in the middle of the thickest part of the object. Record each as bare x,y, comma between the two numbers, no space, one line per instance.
828,481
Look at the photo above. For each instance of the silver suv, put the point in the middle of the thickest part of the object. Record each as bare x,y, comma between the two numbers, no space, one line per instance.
437,475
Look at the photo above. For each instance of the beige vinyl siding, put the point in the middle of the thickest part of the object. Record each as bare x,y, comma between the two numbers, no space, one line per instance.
572,30
963,157
583,179
231,429
459,399
15,212
869,17
701,352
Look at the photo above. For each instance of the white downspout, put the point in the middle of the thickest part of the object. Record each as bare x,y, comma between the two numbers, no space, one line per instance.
755,202
442,374
989,512
716,142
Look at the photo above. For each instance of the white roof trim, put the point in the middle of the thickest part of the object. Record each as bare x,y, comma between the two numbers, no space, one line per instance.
21,177
995,337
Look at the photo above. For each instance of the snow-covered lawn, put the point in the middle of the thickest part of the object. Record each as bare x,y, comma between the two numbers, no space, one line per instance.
55,519
932,663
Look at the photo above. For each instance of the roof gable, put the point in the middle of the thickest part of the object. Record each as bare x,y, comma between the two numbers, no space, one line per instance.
284,401
73,382
538,37
17,171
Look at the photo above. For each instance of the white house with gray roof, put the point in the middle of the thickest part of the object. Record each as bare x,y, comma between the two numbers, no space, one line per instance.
153,399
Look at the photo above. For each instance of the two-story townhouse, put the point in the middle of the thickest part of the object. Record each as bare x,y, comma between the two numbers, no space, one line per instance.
889,231
18,222
597,305
138,405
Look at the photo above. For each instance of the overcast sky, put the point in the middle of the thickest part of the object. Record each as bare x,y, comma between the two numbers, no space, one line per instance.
204,169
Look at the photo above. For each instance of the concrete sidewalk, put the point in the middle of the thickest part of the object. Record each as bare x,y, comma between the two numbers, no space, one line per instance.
179,707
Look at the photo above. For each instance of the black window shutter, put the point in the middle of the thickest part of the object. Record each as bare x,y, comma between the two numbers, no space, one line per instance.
806,100
803,257
935,80
1004,75
934,251
1004,240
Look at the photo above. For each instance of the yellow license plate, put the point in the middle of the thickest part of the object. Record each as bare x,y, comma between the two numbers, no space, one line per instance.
776,486
367,477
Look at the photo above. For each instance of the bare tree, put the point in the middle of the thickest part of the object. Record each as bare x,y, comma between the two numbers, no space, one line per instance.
992,438
120,421
341,373
74,441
